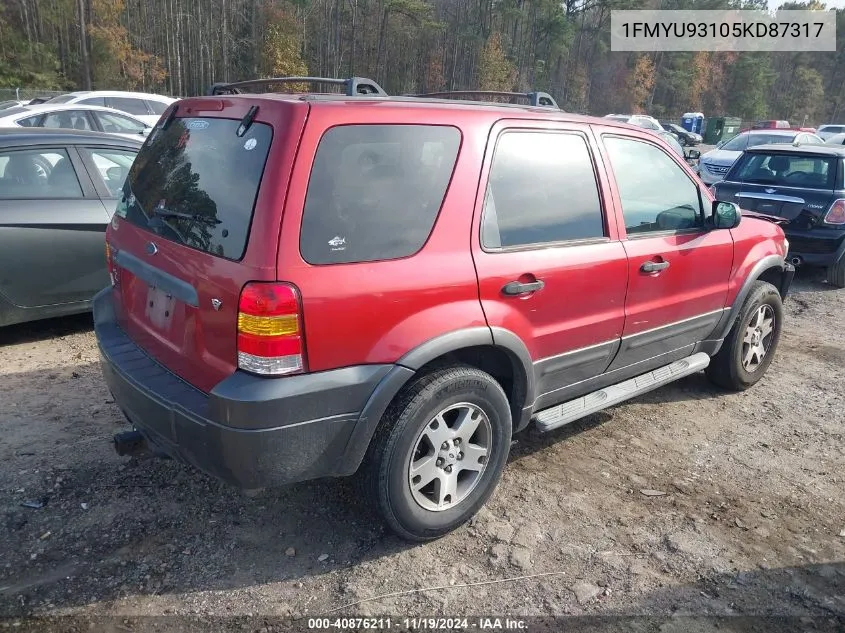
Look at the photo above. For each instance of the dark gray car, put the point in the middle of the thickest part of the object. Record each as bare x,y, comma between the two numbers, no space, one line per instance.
58,190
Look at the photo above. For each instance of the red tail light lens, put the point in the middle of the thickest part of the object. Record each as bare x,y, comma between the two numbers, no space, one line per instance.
270,339
836,213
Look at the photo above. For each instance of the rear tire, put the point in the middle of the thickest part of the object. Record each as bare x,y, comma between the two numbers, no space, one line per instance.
836,273
750,346
439,452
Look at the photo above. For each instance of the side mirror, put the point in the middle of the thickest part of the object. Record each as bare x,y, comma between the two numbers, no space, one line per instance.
145,131
726,215
693,154
114,173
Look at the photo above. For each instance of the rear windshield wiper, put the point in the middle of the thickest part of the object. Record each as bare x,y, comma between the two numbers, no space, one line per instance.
196,217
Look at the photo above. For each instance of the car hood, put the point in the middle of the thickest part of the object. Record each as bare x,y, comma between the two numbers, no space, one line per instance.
724,158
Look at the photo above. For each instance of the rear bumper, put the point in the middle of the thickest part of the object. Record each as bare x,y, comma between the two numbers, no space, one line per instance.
816,247
249,431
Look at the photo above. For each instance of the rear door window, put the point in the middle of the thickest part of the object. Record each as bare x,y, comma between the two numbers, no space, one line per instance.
375,191
542,190
196,181
157,107
67,120
130,105
34,174
799,170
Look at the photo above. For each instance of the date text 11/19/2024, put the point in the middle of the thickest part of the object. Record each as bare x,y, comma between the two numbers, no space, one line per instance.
418,624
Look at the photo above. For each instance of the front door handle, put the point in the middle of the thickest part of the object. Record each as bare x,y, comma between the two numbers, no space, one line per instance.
514,288
654,267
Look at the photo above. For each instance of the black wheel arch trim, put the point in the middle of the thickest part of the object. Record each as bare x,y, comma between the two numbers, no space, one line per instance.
768,262
408,365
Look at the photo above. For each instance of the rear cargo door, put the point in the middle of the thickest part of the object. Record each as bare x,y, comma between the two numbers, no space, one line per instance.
198,219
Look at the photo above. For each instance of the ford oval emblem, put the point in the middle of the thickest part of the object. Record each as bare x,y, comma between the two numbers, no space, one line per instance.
198,124
152,249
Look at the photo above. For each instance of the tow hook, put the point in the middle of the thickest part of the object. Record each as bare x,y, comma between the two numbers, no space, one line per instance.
130,443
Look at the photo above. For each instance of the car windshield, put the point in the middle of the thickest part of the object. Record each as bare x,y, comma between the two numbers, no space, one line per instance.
744,141
60,99
785,170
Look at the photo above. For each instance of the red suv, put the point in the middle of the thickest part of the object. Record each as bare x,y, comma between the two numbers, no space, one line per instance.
318,285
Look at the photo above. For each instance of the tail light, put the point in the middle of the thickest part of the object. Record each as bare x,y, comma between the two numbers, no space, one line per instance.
270,340
836,213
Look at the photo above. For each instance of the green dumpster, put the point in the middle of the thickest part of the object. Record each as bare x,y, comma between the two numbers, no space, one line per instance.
721,129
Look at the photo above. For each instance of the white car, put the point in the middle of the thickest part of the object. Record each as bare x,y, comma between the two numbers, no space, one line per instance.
826,131
640,120
74,117
144,106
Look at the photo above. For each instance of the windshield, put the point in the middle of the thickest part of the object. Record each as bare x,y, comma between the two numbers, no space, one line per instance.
744,141
60,99
786,170
196,182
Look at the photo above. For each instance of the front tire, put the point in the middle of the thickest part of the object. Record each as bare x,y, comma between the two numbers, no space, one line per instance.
750,346
439,452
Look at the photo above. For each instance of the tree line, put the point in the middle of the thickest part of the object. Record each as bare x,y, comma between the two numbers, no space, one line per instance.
180,47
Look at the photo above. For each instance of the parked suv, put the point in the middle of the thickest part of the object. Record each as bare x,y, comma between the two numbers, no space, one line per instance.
318,285
804,186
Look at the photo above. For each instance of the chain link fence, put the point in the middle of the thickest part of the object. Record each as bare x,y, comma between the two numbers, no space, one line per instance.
25,94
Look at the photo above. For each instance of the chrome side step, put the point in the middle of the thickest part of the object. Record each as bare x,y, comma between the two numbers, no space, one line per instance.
567,412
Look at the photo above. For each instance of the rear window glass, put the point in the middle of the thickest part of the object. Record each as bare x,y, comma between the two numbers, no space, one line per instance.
61,99
375,191
814,172
196,183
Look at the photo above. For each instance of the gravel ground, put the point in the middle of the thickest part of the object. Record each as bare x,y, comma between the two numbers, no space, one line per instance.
749,519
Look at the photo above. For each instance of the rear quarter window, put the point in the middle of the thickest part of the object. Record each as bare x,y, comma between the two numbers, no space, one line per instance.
375,191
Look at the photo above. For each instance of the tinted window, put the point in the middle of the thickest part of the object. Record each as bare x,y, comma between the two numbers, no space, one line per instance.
34,174
112,167
67,120
657,195
94,101
157,106
196,182
125,104
375,191
118,124
815,172
542,189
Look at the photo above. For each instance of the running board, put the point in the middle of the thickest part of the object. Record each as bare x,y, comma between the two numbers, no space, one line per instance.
561,414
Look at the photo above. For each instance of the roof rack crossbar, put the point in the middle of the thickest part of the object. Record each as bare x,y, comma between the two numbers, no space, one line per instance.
355,86
539,99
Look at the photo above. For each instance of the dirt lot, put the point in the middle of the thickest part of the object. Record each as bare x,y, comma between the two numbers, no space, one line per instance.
752,521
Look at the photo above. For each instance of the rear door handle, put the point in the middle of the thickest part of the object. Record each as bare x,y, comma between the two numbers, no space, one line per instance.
654,267
514,288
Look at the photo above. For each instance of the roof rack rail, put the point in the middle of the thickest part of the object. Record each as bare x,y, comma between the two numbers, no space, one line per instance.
539,99
354,86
